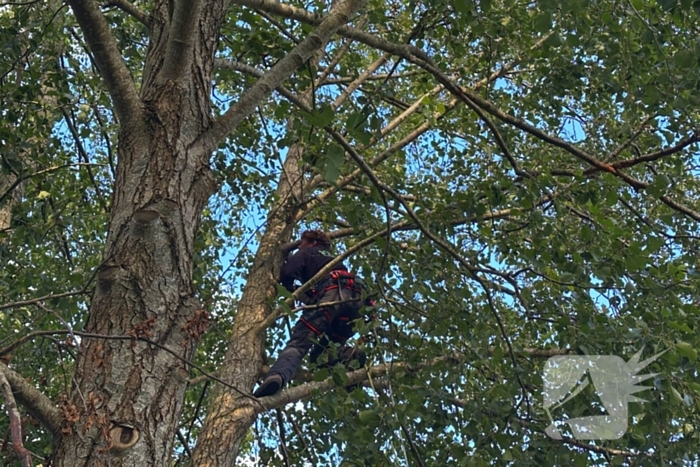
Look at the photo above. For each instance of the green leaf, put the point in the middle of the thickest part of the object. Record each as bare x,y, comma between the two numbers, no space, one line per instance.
667,5
320,118
685,59
676,396
687,350
369,417
335,156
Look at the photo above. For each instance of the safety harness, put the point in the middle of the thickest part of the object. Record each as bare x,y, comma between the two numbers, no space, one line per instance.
342,280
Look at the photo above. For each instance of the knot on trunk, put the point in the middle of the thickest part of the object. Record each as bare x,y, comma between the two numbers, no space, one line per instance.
123,436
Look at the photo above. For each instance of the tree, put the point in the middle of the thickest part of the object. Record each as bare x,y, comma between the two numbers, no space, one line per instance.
516,181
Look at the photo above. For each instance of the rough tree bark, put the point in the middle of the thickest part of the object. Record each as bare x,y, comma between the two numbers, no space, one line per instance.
128,395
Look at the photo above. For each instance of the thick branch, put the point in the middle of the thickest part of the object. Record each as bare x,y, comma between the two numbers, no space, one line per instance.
281,71
36,402
15,423
130,9
179,51
111,66
303,391
307,17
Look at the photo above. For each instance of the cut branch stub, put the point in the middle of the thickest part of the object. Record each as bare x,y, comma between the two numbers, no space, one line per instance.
123,436
106,277
146,215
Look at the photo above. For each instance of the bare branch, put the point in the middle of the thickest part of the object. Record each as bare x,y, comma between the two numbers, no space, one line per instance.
34,301
15,423
36,402
19,342
414,449
130,9
359,80
180,48
379,77
658,155
19,180
112,68
336,59
630,140
416,133
281,71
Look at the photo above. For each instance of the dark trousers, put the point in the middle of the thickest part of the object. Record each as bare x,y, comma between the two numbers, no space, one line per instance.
324,325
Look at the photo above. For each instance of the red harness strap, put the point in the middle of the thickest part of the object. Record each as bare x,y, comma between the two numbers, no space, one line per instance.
311,326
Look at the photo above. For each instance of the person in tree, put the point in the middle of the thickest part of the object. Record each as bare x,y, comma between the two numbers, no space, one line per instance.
322,326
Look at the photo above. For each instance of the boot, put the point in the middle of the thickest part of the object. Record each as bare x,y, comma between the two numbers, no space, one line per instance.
270,385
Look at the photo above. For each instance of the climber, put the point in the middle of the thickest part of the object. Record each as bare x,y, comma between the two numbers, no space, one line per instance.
325,325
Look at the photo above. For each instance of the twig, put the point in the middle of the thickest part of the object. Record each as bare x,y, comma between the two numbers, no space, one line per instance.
379,77
42,172
34,301
565,439
631,139
183,441
283,442
414,450
302,438
278,25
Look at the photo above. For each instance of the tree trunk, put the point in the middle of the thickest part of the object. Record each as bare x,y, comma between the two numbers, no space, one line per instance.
128,397
231,413
128,394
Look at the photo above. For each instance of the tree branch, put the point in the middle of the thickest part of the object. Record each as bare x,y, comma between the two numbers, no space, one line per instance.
180,48
15,423
307,17
657,155
111,66
130,9
34,301
36,402
414,449
303,391
281,71
379,77
416,133
19,180
565,439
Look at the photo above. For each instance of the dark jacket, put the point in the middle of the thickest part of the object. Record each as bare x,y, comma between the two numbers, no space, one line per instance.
304,264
